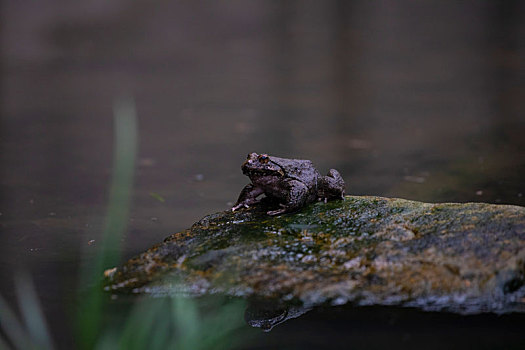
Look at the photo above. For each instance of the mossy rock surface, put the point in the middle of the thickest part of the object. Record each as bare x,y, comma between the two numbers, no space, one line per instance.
366,250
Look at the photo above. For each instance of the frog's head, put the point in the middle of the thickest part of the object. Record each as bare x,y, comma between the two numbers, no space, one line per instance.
260,165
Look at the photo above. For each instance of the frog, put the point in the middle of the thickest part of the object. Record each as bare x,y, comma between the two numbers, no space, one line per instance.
293,183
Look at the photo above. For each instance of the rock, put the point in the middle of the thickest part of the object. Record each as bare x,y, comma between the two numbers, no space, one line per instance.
465,258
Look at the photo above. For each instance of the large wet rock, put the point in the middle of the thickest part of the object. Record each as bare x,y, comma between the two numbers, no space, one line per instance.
367,250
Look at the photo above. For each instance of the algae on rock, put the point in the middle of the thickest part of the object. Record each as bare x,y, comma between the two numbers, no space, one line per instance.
366,250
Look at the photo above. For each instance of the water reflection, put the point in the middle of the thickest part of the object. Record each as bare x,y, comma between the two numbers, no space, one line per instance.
266,314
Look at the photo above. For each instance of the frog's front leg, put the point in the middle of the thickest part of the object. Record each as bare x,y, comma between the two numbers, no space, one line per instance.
248,197
297,195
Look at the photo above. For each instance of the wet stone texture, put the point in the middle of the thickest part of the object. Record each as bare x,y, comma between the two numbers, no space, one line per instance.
366,250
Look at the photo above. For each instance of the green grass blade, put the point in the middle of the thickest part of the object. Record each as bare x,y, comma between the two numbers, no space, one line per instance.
157,197
126,140
141,324
186,316
12,328
89,315
32,312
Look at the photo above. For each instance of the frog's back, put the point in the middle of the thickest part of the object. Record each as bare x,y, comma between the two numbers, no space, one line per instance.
301,170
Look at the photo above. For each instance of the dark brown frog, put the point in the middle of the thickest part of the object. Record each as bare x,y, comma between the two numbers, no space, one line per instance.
292,182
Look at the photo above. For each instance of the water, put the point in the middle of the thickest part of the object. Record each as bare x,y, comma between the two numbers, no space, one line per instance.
420,101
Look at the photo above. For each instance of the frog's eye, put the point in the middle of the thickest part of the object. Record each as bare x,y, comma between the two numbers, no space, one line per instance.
263,158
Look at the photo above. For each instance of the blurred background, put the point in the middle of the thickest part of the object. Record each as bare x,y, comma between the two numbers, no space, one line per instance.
419,100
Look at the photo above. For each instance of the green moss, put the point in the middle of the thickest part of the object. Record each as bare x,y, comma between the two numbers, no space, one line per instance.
366,249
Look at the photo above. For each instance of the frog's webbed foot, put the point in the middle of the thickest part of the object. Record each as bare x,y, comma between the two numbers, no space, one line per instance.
241,205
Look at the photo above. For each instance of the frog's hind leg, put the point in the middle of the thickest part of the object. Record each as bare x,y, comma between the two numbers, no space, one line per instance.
334,174
297,196
332,185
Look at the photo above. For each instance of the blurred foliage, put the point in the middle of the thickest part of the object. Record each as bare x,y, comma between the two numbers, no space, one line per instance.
152,323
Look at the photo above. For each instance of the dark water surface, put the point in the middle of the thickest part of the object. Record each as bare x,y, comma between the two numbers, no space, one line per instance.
424,101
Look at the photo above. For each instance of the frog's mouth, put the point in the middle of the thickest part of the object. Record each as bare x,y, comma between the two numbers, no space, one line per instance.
265,171
262,172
